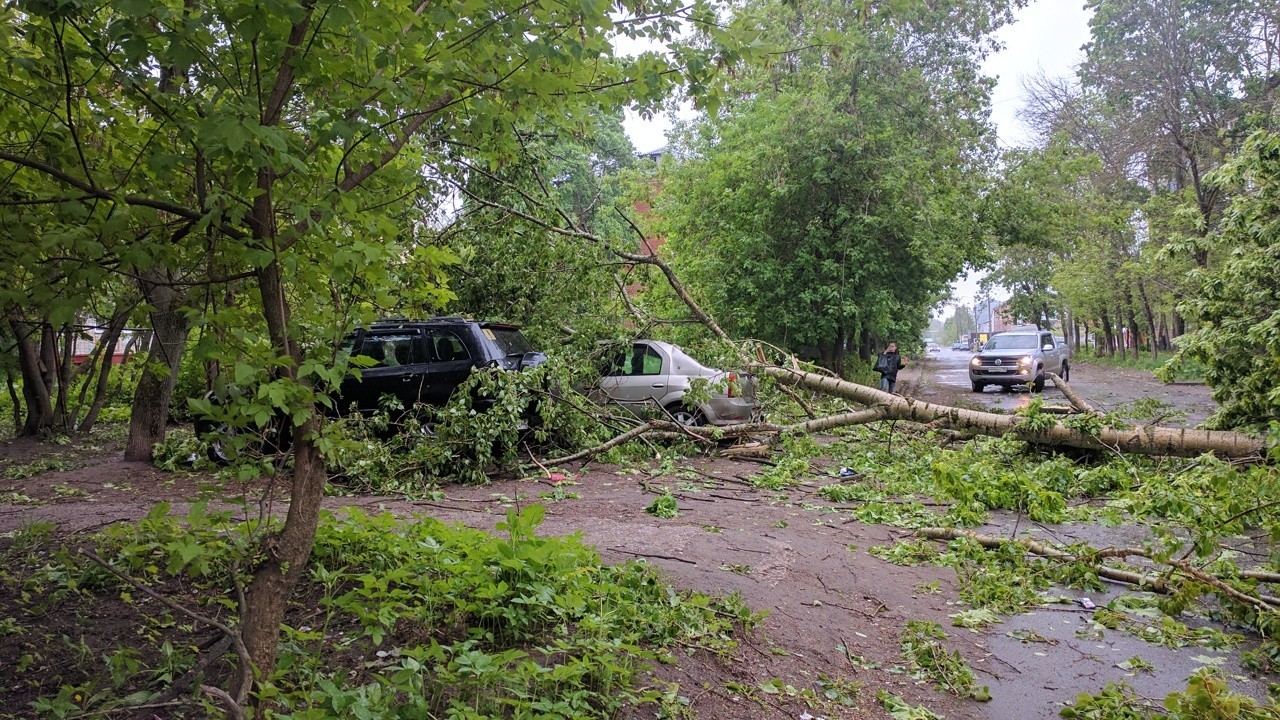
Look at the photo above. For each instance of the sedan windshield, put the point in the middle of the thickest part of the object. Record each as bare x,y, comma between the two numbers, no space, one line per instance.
1013,342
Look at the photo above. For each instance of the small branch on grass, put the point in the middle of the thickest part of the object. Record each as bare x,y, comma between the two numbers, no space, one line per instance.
246,663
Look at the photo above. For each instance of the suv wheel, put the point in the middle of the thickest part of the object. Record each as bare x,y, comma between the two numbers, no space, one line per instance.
215,436
1038,384
1066,372
977,386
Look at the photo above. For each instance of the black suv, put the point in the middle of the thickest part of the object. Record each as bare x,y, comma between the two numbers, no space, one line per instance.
423,361
416,361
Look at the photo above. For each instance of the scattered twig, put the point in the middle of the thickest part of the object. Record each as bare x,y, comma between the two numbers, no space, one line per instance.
654,556
246,663
234,709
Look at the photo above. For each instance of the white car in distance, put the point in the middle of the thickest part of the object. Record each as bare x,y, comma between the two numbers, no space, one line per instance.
651,379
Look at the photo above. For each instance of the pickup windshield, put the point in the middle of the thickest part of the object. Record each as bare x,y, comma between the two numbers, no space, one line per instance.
1013,342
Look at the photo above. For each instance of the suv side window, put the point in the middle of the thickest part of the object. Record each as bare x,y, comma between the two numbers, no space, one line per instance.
444,346
392,350
1046,340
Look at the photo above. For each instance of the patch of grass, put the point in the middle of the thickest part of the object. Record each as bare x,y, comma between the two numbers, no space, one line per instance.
900,709
1188,370
36,467
400,618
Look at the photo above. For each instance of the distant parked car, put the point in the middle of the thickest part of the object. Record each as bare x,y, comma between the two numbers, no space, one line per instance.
651,378
935,348
960,346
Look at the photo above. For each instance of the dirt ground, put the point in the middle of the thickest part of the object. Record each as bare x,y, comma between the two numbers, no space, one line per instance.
790,553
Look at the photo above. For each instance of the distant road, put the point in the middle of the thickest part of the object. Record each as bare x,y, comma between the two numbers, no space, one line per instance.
943,378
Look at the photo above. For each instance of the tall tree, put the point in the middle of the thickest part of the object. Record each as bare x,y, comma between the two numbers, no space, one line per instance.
1236,304
823,211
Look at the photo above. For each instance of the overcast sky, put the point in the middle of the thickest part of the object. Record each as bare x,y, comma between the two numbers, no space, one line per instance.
1046,35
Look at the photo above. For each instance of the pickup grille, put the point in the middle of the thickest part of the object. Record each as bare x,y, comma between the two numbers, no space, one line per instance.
998,362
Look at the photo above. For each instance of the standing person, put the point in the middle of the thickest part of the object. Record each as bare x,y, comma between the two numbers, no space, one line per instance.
888,363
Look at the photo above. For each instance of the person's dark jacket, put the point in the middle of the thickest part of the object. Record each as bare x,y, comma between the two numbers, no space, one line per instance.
888,364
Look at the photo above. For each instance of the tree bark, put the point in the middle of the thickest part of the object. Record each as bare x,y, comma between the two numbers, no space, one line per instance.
1149,440
287,553
35,391
169,331
1071,395
1108,335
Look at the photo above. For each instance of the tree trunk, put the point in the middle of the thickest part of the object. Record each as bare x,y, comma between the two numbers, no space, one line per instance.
1108,335
35,392
169,330
1153,339
864,345
286,559
15,399
1135,335
66,365
1149,440
114,327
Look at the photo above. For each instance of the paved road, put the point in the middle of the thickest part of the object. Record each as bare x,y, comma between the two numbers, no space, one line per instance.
943,377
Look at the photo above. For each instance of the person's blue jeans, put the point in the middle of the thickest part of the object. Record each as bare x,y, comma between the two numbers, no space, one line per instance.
887,383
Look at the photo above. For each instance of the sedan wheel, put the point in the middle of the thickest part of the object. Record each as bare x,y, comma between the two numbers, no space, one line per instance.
684,416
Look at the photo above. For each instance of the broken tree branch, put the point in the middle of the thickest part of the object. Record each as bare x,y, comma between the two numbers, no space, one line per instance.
1071,395
1094,557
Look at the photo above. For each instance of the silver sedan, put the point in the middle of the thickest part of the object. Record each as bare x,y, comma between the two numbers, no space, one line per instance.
652,377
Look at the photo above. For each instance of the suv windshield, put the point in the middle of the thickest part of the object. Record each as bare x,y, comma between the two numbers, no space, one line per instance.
509,341
1013,342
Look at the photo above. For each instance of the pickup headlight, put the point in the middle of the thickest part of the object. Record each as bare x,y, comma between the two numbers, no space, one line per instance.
975,362
1024,361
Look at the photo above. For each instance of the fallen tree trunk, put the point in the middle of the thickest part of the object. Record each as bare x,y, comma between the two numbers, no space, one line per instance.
1156,583
1144,440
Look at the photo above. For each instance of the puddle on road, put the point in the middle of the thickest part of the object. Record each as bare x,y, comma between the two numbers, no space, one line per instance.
1061,653
1033,680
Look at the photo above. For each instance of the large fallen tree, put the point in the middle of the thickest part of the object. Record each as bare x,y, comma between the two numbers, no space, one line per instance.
1146,440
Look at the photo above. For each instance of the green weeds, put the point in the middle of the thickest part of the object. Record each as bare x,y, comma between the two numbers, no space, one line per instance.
399,618
664,506
1206,697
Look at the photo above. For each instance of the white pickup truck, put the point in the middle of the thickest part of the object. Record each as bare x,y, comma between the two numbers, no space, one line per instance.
1019,357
